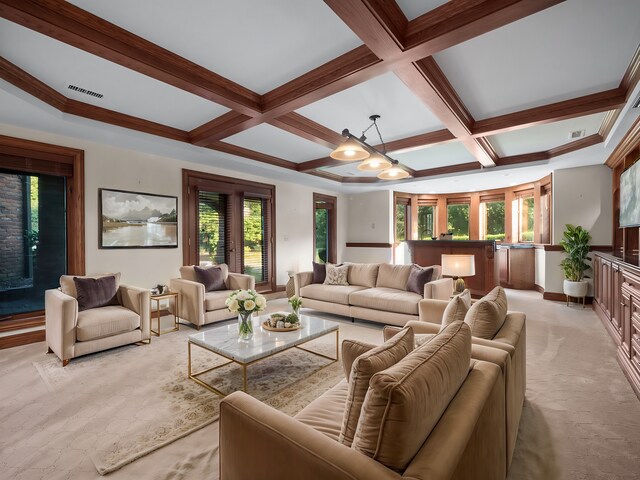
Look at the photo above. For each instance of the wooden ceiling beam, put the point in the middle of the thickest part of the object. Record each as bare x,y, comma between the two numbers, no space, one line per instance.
72,25
460,167
30,84
306,128
460,20
427,81
253,155
576,107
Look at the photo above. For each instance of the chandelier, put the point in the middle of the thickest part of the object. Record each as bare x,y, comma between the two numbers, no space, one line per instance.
355,149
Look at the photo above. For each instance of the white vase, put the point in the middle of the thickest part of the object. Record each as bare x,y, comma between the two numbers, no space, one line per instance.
575,289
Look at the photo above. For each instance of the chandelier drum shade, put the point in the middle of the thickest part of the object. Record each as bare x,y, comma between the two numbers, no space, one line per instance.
356,149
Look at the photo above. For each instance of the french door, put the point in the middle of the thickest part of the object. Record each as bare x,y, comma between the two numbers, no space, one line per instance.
230,221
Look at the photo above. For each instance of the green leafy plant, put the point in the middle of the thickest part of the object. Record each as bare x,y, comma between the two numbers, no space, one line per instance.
575,242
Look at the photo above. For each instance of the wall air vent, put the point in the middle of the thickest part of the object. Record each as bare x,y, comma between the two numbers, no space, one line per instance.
577,134
85,91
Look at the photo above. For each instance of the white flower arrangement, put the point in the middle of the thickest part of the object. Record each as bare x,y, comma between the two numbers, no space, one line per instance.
245,301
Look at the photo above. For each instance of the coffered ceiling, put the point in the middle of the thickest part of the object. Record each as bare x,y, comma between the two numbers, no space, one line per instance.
460,85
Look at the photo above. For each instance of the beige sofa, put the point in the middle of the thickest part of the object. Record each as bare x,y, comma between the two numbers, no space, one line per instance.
71,334
376,292
466,442
201,308
511,339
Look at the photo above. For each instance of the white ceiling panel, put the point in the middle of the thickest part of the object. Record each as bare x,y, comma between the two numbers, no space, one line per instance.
349,169
402,115
572,49
125,91
544,137
279,143
414,8
433,156
245,41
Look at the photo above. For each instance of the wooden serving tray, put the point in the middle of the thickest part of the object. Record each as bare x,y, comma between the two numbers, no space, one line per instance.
266,326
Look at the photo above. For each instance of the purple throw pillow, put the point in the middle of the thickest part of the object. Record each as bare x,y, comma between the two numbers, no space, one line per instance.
319,272
212,278
95,292
417,278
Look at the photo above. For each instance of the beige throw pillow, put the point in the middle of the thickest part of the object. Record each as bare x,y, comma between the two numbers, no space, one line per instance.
336,275
405,402
352,349
373,361
457,309
486,316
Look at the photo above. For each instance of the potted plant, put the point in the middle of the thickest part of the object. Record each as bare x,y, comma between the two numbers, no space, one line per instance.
575,243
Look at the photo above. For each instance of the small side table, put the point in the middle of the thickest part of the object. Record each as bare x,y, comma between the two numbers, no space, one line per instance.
158,298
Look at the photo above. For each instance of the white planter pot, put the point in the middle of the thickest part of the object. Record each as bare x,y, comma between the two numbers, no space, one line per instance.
575,289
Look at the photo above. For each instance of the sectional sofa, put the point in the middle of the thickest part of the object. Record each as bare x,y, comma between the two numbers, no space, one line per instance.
376,292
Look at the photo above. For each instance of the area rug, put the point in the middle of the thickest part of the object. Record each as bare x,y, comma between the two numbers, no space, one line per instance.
123,404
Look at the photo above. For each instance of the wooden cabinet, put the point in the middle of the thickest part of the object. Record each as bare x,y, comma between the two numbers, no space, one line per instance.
516,267
617,302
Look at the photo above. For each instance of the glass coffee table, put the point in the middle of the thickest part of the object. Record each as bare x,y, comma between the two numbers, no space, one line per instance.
224,341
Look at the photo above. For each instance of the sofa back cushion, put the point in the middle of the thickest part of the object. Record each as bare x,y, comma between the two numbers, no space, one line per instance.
393,276
456,309
187,272
405,402
211,278
68,286
486,316
363,274
363,367
96,292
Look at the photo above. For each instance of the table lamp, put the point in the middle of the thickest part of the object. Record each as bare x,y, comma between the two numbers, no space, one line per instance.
458,266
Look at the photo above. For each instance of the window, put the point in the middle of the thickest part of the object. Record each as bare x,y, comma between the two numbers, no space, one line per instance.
403,219
525,219
230,222
458,220
426,216
492,220
545,215
324,226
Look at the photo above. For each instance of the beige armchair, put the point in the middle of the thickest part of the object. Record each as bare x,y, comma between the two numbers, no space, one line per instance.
440,289
71,334
511,338
201,308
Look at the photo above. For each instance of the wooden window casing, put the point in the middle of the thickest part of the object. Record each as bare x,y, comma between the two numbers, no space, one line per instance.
330,204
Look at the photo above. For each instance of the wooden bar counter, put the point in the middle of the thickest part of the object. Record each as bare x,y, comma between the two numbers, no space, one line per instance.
428,252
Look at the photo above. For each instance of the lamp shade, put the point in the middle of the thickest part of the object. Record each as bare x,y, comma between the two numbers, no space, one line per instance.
393,173
349,150
458,265
374,163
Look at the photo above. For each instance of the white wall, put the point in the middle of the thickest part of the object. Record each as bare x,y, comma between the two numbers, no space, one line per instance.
370,220
107,166
581,196
540,267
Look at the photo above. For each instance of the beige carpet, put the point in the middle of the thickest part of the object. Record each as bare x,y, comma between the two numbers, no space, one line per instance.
581,419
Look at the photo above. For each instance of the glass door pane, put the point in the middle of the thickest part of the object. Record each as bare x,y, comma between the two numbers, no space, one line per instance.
212,228
33,251
322,234
425,222
254,239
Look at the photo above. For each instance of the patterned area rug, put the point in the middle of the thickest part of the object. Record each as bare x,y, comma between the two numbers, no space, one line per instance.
123,404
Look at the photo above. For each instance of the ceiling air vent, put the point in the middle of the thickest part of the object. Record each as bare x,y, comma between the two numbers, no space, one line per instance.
577,134
85,91
636,103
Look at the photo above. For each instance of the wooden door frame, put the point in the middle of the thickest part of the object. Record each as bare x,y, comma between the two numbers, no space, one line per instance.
332,254
36,157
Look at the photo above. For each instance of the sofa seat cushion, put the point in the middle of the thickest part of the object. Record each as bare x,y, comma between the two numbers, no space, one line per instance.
330,293
104,322
215,300
387,299
325,413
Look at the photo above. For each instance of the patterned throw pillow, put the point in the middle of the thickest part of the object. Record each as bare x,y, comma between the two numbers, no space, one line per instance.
336,275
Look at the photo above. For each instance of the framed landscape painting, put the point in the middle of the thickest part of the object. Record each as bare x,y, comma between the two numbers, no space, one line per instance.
137,220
